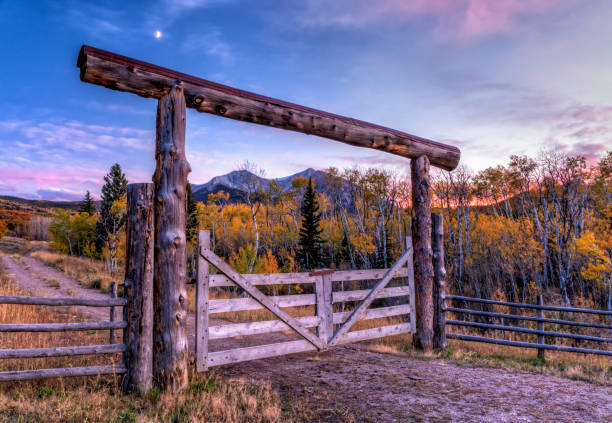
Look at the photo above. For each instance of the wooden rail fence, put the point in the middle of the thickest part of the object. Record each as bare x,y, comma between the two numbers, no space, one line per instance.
323,298
539,318
112,348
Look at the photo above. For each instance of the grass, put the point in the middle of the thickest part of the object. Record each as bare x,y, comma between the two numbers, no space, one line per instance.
98,399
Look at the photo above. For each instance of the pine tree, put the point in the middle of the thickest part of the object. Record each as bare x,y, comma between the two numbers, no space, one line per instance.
191,230
111,220
87,206
309,252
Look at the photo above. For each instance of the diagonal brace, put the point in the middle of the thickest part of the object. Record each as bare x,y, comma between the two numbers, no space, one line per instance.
262,299
356,314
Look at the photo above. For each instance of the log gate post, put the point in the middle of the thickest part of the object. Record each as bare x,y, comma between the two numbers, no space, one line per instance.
324,304
202,289
421,241
169,282
138,336
439,283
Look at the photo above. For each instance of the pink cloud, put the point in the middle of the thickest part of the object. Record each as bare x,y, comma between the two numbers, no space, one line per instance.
457,20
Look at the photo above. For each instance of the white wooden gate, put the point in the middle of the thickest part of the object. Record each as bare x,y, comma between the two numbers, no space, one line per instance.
323,298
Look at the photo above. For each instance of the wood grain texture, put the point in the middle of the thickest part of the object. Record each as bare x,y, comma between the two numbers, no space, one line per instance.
139,288
269,326
170,261
111,317
62,372
302,278
324,307
106,302
261,298
412,295
122,73
60,327
421,239
439,283
369,298
237,355
241,304
62,351
202,305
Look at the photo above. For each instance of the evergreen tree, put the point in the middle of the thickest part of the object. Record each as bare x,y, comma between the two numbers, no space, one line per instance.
309,251
87,206
191,231
112,218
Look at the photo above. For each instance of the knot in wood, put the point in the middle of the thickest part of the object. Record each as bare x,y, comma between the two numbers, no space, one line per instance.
178,317
181,299
198,99
221,110
172,150
177,241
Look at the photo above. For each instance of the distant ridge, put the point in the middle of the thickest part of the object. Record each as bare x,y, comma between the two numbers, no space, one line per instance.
233,183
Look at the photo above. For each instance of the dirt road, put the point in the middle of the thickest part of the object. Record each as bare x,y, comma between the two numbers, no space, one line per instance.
352,384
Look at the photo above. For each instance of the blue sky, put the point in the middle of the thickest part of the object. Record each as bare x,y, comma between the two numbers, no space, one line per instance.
494,78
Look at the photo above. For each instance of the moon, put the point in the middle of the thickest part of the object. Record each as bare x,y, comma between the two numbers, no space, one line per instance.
158,34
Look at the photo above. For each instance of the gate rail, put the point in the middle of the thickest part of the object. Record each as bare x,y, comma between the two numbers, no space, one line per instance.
111,348
540,308
322,298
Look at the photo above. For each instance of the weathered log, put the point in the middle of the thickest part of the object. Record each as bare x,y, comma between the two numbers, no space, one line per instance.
90,302
111,317
541,339
439,283
202,304
62,351
170,296
147,80
62,372
60,327
303,278
324,307
139,288
421,239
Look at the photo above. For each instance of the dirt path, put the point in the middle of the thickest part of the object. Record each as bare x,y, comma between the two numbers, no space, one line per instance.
352,384
34,276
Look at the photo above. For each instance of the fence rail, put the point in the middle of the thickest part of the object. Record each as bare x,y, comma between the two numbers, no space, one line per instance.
112,348
539,318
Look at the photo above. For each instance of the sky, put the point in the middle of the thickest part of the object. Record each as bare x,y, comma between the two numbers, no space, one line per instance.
494,78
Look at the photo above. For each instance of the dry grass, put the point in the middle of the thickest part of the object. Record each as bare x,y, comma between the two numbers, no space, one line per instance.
88,272
98,399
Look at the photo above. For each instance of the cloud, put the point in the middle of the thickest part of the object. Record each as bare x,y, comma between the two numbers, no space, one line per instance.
211,44
452,20
58,194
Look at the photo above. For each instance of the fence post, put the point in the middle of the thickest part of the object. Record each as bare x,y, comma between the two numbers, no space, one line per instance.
170,255
138,288
111,318
541,339
324,305
439,283
421,240
202,296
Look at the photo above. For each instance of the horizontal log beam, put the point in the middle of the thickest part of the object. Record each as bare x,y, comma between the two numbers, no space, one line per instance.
62,372
242,304
60,327
63,351
526,344
237,355
531,306
527,330
302,278
268,326
105,302
122,73
530,318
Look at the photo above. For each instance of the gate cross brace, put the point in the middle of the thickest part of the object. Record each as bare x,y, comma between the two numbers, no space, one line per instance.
356,314
261,298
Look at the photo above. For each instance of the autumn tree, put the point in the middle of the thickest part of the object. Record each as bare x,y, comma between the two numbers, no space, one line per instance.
309,252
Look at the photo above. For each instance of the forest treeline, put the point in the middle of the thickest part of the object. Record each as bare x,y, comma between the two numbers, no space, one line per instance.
534,225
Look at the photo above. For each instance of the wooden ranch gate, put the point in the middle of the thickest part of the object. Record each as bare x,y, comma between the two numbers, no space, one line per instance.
323,297
155,341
